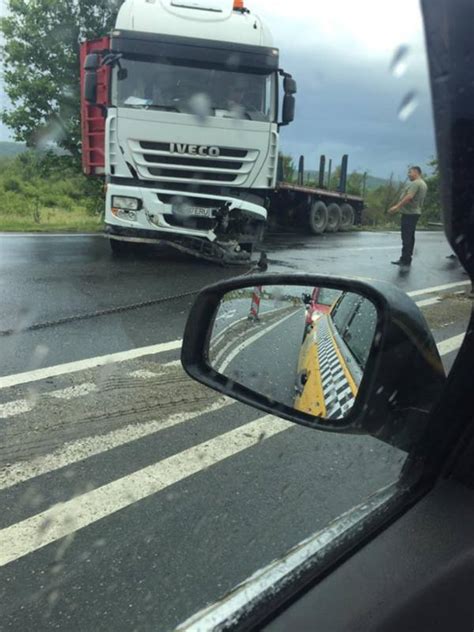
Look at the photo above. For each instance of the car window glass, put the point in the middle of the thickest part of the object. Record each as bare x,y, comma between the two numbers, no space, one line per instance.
132,496
327,296
359,334
344,311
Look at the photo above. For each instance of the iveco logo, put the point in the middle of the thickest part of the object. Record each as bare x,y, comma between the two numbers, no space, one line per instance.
194,150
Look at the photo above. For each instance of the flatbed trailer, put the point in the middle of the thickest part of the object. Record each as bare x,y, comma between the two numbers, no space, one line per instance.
315,209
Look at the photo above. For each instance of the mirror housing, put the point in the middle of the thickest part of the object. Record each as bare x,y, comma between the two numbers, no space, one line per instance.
404,374
92,61
289,85
90,86
289,105
91,64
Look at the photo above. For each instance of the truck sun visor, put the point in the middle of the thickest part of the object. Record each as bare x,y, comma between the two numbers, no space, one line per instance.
198,51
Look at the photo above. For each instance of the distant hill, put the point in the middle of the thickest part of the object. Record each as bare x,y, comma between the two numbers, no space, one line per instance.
373,182
9,149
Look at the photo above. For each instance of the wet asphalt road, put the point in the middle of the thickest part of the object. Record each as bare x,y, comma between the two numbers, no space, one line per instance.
132,497
44,278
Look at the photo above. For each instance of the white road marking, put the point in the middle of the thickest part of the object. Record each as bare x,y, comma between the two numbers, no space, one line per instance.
81,449
174,363
143,374
437,288
22,406
251,340
90,363
428,301
221,334
72,392
17,407
63,519
450,344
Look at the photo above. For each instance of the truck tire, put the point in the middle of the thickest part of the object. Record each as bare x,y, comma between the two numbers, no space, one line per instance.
120,248
347,217
318,218
334,218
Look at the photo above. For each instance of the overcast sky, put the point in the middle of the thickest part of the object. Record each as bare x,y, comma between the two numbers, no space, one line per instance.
340,52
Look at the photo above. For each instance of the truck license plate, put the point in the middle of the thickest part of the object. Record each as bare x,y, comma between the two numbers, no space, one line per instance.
199,211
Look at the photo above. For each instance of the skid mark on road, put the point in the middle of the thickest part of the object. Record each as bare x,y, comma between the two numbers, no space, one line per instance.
76,451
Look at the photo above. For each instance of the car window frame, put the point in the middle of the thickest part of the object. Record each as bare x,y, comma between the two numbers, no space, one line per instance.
448,446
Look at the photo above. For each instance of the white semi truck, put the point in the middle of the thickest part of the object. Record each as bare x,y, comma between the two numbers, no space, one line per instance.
180,114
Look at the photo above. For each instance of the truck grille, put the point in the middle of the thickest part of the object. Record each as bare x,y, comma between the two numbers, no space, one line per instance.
154,161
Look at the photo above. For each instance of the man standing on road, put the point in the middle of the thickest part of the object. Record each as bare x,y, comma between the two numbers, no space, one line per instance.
410,205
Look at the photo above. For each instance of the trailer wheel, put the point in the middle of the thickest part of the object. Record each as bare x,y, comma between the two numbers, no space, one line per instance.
120,248
348,217
334,218
318,218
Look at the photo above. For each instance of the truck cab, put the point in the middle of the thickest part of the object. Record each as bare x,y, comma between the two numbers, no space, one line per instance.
189,110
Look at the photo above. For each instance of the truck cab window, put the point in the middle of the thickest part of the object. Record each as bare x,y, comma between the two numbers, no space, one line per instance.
163,84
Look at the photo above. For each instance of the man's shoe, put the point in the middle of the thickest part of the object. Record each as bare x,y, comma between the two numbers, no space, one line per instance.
401,263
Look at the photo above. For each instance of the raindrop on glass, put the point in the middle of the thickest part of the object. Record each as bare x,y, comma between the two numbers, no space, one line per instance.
408,106
200,105
399,64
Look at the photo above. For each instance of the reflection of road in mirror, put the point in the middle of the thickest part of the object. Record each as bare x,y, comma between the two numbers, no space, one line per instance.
256,340
303,347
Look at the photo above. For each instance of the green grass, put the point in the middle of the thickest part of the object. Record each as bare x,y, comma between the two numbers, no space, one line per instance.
51,220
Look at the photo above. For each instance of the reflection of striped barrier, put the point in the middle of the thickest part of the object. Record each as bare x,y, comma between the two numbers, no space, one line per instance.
255,306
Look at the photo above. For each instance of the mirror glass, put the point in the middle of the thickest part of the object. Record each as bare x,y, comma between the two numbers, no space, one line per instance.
305,347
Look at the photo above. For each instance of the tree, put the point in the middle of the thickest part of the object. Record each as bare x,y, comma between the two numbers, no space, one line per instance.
288,167
379,200
432,211
41,65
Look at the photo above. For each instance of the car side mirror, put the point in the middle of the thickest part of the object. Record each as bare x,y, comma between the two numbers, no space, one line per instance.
359,360
289,105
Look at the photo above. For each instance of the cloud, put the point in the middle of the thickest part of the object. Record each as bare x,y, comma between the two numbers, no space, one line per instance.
342,54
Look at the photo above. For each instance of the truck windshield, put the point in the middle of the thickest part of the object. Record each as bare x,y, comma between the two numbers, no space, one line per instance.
179,88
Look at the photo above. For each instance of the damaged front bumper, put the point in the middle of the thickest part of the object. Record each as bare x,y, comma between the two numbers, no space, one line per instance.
225,253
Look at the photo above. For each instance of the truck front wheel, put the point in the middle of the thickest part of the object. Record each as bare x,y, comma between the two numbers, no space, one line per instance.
334,218
348,216
318,218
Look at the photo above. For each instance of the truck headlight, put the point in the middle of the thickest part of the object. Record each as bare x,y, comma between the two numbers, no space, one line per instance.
126,203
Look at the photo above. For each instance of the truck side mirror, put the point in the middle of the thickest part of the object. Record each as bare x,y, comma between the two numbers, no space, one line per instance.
289,104
90,86
91,64
289,85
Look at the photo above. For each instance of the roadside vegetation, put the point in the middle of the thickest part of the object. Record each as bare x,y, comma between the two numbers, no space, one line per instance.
46,192
379,194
